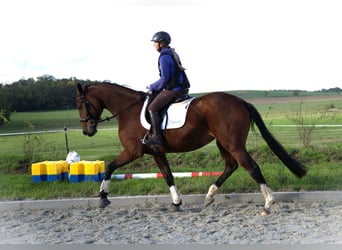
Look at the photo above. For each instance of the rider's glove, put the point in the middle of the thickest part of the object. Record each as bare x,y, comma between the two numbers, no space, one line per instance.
149,90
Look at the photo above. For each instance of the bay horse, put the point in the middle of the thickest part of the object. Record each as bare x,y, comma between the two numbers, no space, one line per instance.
215,116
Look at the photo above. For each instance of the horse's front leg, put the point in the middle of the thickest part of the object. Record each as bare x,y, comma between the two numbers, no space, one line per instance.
164,167
124,158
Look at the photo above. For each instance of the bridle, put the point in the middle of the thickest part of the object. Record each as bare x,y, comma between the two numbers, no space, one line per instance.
88,105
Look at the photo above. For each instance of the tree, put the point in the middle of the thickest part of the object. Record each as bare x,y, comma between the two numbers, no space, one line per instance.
45,93
4,108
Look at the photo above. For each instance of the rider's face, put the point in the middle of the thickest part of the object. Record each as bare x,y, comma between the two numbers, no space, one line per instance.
156,45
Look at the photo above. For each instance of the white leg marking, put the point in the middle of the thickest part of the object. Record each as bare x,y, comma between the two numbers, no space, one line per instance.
209,198
212,191
176,198
267,193
105,186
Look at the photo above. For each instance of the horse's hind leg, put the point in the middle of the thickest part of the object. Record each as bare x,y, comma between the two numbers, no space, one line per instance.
253,169
164,167
230,166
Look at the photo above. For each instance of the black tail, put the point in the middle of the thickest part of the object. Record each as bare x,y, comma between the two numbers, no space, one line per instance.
296,167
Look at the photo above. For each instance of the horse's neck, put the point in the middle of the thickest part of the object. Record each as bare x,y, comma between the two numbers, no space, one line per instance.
116,98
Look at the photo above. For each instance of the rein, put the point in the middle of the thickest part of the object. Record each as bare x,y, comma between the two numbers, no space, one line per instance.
122,111
90,116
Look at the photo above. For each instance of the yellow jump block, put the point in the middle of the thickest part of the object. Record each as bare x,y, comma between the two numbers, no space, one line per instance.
49,171
87,170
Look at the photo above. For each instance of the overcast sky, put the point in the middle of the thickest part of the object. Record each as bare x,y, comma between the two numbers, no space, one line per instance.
225,45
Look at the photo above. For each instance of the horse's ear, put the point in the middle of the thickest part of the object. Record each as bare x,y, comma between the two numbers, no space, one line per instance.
80,88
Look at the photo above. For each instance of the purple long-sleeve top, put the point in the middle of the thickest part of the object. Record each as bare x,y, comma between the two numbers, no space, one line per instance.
167,68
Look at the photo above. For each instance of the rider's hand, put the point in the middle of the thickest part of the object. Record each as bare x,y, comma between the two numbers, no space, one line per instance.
149,90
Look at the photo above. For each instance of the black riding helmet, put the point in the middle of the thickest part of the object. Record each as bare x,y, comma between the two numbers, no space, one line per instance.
161,36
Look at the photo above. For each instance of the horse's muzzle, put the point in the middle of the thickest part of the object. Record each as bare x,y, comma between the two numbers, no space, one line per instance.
90,128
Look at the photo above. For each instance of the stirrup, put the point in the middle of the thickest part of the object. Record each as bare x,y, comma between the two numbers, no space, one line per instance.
154,140
143,140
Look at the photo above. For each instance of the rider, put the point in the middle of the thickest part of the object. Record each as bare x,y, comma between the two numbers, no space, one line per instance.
171,83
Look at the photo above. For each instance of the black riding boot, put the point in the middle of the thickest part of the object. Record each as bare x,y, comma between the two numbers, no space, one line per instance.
156,138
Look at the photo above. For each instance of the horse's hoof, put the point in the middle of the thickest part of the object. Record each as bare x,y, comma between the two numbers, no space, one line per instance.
264,212
104,202
208,201
175,207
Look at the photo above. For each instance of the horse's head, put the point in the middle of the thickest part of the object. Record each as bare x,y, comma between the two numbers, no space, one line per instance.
90,110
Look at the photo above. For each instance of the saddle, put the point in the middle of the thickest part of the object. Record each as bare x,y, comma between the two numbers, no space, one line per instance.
182,96
172,115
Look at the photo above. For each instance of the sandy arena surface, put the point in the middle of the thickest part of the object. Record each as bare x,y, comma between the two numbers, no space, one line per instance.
289,223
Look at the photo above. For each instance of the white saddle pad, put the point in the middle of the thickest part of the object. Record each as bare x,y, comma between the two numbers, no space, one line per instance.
175,117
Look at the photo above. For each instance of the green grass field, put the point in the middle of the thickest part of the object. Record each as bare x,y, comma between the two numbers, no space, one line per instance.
323,157
320,177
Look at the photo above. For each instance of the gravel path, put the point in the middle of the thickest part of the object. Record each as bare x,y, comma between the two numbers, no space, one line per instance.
289,223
